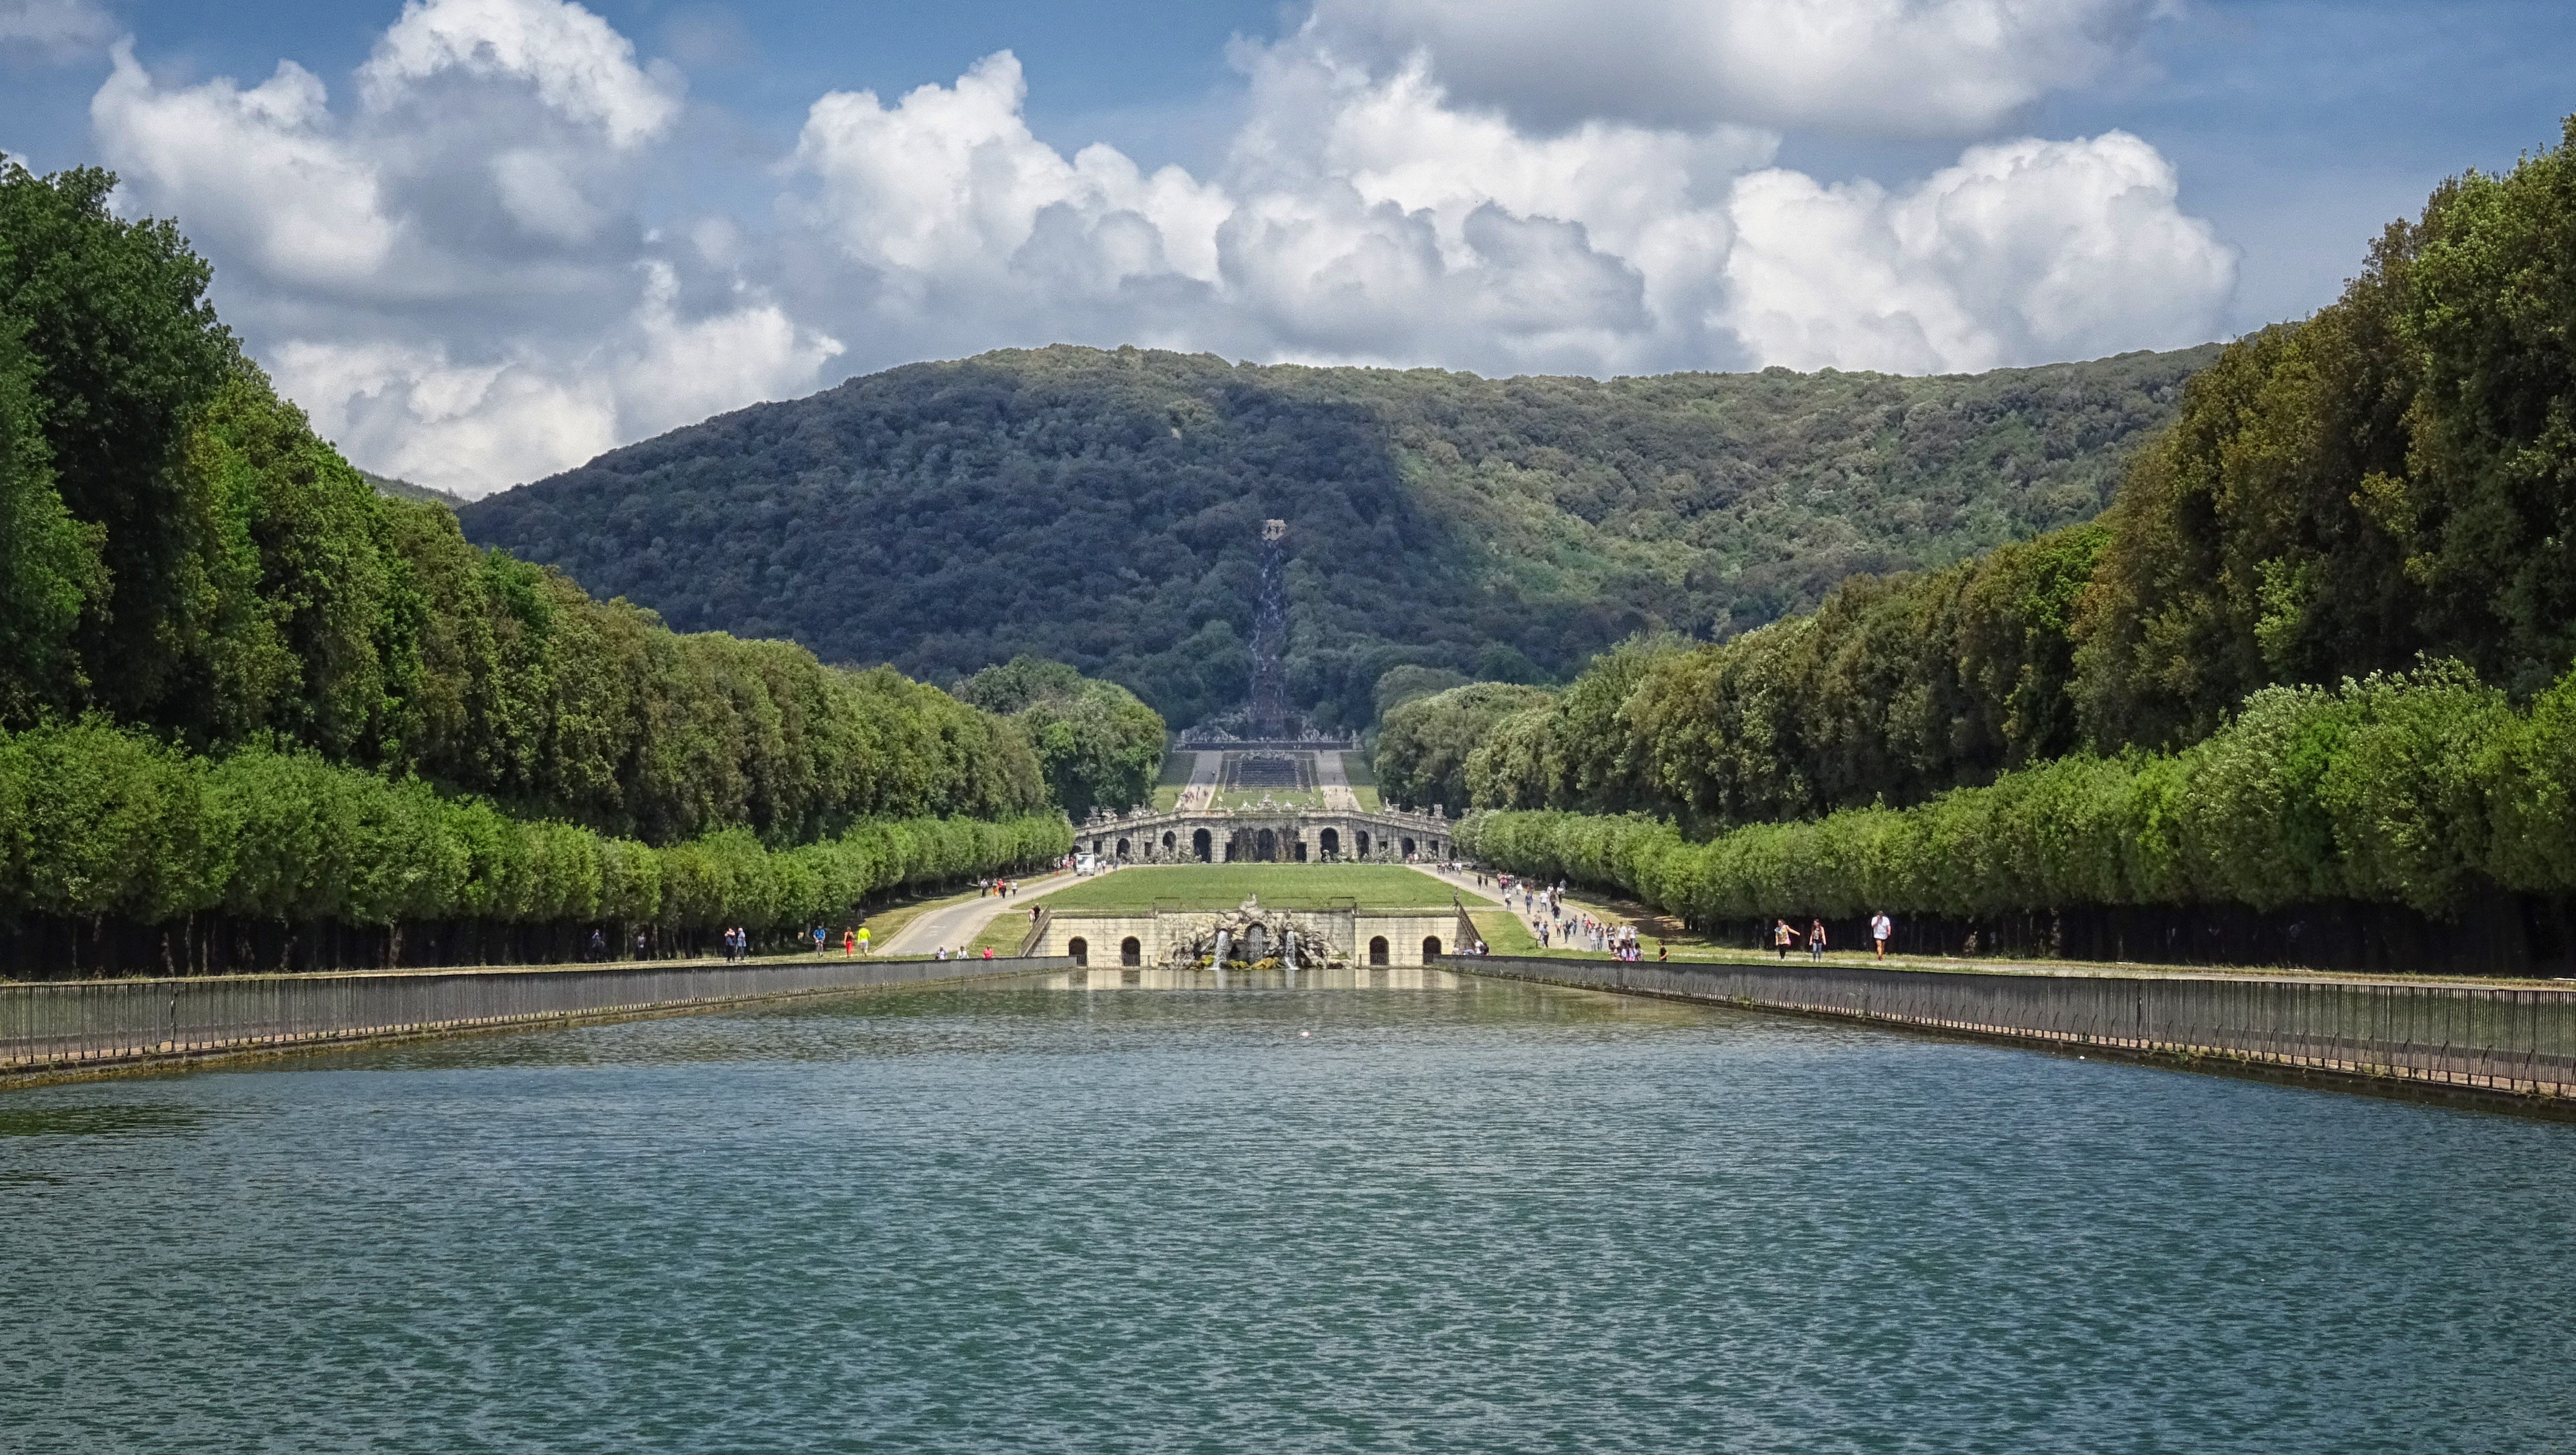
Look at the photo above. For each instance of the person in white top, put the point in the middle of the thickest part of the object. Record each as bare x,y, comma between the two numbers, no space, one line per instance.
1880,927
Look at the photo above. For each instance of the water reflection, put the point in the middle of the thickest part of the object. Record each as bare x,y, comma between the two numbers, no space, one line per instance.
1244,977
97,1120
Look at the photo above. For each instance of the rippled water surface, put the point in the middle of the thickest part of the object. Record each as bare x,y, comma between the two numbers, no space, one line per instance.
1483,1217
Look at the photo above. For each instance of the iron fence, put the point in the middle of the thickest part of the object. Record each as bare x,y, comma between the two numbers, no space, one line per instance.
76,1023
2507,1038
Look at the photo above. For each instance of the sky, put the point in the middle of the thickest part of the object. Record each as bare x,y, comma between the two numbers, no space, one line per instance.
481,241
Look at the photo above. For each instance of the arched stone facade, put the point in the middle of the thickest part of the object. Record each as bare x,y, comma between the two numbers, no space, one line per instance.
1267,836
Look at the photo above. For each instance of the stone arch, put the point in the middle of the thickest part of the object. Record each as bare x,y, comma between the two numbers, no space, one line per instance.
1080,949
1331,842
1408,848
1266,847
1131,951
1298,850
1122,849
1363,843
1430,948
1377,949
1169,843
1202,845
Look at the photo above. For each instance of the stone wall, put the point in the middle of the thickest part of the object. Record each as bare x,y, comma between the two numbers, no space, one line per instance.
1296,836
1176,937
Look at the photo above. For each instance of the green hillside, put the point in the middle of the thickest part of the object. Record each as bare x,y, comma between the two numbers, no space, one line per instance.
1101,508
391,488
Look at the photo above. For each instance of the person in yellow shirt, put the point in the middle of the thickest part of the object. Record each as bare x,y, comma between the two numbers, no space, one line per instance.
863,939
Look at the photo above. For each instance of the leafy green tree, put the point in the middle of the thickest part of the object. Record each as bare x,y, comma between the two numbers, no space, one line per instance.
125,353
1097,745
1421,756
49,562
1401,684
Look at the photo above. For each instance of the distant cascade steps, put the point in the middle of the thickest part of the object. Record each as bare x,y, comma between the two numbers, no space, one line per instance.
1253,771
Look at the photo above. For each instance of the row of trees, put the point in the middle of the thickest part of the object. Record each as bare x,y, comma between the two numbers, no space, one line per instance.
2419,789
100,823
2391,479
180,552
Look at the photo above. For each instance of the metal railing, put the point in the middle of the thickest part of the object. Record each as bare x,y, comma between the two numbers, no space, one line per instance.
2504,1038
70,1024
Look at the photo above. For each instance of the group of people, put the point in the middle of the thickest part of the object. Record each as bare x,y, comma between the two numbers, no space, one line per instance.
854,942
1783,938
1554,924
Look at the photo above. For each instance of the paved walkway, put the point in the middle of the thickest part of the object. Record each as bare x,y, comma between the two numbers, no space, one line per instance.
1201,789
957,925
1334,784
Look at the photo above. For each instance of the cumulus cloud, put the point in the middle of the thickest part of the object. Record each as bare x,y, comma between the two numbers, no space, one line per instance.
578,65
52,30
451,275
453,270
1874,67
2024,251
415,412
263,168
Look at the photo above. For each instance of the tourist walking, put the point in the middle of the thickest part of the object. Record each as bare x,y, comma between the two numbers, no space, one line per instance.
1816,940
1783,937
1880,927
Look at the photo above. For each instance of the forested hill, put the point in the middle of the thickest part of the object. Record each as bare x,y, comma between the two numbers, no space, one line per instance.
1102,508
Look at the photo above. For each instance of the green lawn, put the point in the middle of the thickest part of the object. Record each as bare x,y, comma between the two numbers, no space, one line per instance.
1174,777
1503,931
1223,886
1363,780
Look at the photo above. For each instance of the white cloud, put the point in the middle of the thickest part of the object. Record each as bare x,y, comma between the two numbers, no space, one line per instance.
53,30
409,411
456,276
950,180
263,169
414,411
579,66
1877,67
2024,251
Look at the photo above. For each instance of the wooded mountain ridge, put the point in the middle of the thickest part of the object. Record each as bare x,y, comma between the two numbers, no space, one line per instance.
1102,508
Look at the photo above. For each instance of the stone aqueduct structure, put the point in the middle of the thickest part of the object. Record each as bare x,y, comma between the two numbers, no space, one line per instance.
1265,835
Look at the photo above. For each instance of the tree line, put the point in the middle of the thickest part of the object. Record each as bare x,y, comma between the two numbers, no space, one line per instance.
2424,789
2316,653
237,680
103,823
186,556
2390,480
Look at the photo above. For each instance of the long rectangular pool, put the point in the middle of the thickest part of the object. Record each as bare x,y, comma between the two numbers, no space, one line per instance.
1452,1215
